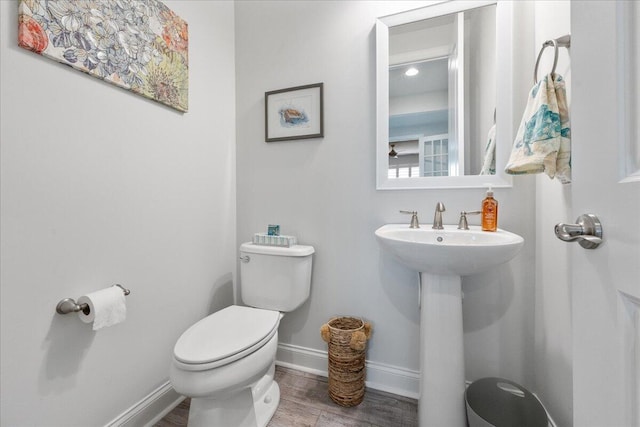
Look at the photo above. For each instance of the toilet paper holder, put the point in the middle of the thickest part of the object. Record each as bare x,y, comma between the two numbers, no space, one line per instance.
69,305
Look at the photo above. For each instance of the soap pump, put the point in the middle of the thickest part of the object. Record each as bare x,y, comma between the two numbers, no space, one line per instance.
489,212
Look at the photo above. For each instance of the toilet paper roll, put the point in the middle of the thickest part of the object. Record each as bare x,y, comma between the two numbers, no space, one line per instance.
107,307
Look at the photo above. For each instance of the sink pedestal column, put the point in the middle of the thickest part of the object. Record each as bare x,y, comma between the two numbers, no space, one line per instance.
442,385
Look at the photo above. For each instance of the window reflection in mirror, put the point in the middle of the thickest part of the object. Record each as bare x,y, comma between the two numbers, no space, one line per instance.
442,92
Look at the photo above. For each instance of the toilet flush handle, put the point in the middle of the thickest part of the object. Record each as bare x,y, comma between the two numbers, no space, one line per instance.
245,258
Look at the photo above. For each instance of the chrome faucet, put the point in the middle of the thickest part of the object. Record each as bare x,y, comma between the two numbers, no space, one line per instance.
463,224
437,217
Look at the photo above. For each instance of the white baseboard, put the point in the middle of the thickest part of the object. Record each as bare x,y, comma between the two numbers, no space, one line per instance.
379,376
150,409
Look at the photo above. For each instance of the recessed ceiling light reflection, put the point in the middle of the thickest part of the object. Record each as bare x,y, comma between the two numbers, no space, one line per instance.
411,72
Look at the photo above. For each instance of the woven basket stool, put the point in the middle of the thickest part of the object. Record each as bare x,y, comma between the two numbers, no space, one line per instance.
347,338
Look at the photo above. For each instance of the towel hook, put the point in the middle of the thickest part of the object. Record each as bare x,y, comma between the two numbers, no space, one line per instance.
564,41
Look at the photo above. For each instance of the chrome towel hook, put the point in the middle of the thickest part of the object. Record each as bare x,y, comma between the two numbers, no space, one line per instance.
564,41
69,305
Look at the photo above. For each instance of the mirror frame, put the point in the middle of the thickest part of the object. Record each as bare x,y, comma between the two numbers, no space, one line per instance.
504,99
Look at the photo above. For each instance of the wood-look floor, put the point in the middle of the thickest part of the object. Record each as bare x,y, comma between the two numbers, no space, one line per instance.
304,402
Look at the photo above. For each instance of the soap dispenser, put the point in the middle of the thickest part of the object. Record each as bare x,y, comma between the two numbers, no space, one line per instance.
489,212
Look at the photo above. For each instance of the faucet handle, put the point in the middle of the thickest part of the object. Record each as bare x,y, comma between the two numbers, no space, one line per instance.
414,218
463,224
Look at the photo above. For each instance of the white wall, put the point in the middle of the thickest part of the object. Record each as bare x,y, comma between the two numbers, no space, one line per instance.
553,354
100,186
323,191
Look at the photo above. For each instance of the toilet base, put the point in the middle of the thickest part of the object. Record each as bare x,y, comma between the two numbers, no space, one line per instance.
265,401
250,407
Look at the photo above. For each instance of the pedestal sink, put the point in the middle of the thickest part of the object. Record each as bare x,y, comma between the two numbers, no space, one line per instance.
442,257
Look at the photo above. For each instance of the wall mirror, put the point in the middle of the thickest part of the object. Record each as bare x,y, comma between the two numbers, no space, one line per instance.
444,84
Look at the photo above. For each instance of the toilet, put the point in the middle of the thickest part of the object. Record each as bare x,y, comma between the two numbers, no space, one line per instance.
226,362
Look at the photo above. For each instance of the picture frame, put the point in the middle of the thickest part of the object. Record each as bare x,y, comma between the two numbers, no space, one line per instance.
294,113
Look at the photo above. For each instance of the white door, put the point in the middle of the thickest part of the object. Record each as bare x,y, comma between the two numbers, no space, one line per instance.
606,182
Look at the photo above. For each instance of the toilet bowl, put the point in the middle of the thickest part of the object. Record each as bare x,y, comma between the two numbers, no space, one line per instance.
226,361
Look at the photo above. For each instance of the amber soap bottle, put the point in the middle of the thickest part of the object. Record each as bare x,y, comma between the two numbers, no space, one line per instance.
489,212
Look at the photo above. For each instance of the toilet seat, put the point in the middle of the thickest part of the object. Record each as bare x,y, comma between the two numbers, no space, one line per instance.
224,337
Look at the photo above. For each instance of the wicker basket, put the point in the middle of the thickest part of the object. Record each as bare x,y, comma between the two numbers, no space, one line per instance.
347,338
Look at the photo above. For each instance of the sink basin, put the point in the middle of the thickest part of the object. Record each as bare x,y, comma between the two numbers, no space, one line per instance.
442,257
449,251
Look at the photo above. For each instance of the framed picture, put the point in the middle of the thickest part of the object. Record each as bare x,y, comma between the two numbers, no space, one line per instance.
294,113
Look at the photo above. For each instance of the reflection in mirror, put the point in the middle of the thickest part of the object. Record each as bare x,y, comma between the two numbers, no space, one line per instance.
430,62
440,97
418,114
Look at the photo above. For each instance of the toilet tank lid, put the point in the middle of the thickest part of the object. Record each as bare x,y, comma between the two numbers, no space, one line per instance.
296,250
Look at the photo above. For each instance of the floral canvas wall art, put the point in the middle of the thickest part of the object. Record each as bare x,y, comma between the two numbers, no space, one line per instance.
139,45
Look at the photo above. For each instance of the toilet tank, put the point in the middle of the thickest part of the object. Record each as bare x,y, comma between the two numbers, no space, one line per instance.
275,278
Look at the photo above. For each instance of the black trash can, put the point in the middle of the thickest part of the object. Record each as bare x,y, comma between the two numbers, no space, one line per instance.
496,402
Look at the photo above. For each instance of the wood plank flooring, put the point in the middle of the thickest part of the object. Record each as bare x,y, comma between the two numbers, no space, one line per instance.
304,402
